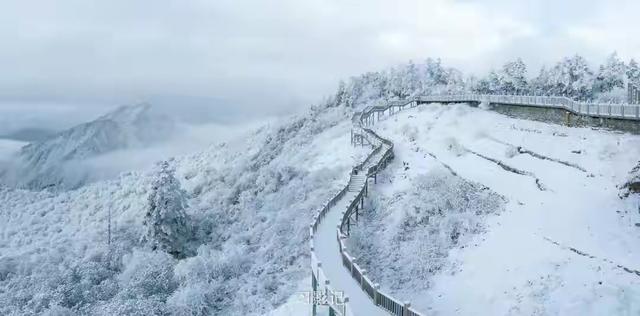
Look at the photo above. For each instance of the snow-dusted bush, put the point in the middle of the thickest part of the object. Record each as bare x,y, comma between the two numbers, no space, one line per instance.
632,184
165,220
407,237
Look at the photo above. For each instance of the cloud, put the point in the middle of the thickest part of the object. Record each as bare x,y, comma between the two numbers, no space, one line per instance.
265,57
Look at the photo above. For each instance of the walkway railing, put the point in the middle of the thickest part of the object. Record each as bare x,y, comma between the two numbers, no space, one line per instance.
351,214
383,153
602,110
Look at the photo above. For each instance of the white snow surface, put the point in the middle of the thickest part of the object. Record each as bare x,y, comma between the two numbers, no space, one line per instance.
521,263
9,148
326,249
250,204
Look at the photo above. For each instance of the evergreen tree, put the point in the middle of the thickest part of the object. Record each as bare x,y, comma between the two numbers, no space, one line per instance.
633,72
434,72
165,220
514,77
570,77
611,75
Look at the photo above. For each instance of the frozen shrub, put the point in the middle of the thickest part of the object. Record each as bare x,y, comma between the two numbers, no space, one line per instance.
511,151
454,146
147,274
410,235
56,310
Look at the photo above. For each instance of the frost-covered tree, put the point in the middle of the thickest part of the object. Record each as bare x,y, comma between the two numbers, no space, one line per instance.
491,84
411,78
514,77
511,79
435,73
540,85
570,77
633,72
165,221
611,75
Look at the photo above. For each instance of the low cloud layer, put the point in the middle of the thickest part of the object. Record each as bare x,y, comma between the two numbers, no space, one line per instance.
256,57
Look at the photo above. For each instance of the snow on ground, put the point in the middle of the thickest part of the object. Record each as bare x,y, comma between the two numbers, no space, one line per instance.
250,203
565,244
297,304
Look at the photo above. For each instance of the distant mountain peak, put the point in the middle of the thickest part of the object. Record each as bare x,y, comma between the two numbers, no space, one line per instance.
128,113
41,164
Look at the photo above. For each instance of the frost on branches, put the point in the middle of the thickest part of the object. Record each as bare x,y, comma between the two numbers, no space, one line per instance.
165,221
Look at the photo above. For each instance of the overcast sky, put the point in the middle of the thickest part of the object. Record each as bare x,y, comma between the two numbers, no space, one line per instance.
274,57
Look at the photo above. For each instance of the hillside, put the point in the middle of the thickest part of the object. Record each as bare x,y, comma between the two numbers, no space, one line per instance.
505,217
250,202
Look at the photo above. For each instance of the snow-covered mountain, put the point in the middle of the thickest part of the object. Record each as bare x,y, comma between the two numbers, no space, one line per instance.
250,201
54,161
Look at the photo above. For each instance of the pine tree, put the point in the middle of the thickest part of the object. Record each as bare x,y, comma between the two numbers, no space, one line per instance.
165,220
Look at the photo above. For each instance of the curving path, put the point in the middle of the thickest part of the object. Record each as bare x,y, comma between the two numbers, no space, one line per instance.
326,248
333,269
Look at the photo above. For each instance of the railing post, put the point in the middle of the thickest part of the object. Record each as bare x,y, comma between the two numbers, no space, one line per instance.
405,309
344,305
376,294
353,261
362,272
352,137
326,290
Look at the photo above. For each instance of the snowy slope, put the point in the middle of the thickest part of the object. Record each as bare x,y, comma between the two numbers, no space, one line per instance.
52,162
565,244
8,148
250,203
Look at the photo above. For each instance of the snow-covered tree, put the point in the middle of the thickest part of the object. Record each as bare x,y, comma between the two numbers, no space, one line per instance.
611,75
633,72
491,84
511,79
514,77
165,221
412,78
570,77
435,73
